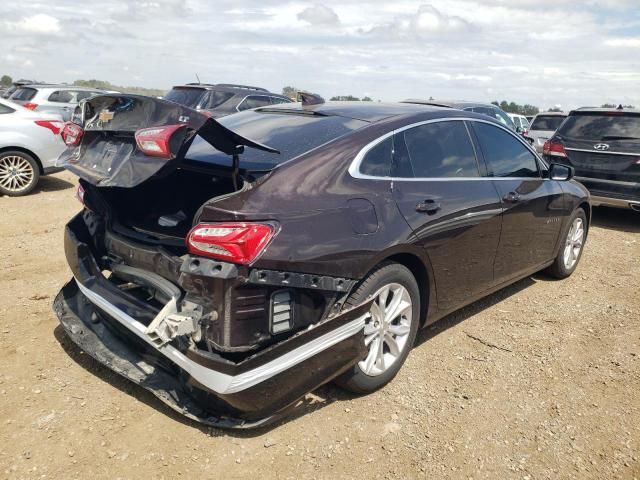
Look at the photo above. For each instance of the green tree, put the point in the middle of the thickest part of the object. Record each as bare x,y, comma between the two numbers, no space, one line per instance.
6,81
367,99
555,109
291,92
344,98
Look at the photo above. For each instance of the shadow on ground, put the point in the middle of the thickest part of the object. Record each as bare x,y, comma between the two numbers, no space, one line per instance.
616,219
52,184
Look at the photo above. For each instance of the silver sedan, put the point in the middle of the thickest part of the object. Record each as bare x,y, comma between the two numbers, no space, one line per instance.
30,144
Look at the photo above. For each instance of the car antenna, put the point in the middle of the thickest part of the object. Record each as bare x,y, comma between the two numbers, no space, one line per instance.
198,78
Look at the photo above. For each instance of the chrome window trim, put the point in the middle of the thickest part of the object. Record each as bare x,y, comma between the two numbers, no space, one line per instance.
606,152
354,167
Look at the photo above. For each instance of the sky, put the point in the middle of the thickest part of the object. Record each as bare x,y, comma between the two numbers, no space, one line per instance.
543,52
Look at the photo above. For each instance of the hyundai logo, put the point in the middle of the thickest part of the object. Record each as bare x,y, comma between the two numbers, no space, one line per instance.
601,146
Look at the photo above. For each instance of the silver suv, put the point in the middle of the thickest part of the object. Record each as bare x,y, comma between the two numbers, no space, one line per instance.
58,99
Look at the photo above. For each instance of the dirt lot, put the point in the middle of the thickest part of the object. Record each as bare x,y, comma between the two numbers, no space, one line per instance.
541,380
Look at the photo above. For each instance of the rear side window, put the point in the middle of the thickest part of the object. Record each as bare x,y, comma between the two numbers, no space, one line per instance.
377,161
276,100
254,101
216,98
5,109
61,96
602,127
504,154
24,94
547,122
436,150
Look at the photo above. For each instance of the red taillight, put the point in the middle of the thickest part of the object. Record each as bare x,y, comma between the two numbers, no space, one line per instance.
30,106
554,149
233,242
154,141
54,125
72,134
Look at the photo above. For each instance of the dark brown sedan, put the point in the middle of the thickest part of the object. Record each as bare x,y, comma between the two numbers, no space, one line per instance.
232,266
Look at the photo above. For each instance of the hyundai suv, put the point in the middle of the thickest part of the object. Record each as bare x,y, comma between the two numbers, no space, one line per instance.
603,145
224,98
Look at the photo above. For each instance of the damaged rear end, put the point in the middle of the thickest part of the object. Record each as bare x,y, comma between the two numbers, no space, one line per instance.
174,301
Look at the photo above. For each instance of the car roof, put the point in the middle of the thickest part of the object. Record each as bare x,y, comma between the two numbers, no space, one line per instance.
604,110
366,111
449,103
60,87
229,87
552,114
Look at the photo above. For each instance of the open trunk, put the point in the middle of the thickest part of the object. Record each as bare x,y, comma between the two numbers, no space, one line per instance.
162,209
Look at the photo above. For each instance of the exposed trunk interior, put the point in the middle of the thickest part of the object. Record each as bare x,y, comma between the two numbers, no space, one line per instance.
164,208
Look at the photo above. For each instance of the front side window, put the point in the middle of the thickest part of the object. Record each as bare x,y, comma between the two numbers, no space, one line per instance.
61,96
505,155
377,161
435,150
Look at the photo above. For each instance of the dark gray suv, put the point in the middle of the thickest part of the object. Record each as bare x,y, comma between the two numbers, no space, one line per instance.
224,98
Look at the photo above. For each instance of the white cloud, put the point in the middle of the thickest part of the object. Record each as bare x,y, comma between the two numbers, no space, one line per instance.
531,51
39,23
430,20
633,42
319,15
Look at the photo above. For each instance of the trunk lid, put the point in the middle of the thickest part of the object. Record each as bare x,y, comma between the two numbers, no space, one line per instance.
108,155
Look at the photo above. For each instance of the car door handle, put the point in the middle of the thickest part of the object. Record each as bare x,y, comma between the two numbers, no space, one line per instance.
512,197
429,206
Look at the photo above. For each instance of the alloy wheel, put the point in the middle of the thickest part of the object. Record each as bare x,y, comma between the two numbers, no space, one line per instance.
573,244
387,329
16,173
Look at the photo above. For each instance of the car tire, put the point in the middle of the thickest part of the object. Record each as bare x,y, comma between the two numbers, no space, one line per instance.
573,238
19,173
388,337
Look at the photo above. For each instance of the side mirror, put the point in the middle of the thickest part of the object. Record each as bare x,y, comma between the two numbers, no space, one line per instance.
561,173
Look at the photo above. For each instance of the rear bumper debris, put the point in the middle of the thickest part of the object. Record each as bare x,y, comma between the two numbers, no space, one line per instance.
201,384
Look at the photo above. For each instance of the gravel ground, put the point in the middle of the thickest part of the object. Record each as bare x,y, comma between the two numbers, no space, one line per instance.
541,380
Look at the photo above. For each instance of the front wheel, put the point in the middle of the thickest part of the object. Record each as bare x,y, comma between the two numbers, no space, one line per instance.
571,249
390,328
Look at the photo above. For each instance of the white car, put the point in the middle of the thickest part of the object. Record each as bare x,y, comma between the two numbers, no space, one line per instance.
520,121
30,144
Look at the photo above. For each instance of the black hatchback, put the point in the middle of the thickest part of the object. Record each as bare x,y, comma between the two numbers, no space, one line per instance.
603,145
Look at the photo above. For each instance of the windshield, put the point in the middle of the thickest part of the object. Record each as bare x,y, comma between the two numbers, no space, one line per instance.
189,97
599,126
547,122
292,134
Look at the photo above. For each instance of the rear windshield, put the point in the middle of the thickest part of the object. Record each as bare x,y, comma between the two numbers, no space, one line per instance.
189,97
24,94
291,134
547,122
600,126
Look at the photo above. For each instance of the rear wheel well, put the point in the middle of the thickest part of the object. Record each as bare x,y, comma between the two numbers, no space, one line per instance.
587,212
24,150
419,271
